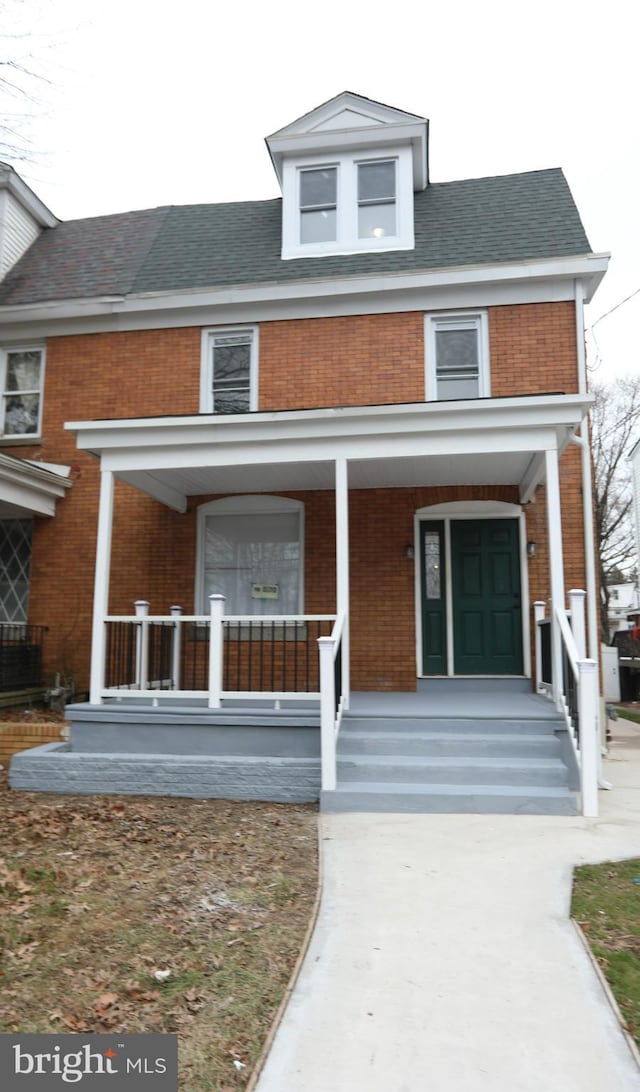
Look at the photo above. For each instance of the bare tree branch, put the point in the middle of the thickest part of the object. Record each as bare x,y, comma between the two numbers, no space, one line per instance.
615,427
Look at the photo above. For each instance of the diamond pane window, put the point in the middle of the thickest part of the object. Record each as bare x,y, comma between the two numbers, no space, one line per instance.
15,569
22,391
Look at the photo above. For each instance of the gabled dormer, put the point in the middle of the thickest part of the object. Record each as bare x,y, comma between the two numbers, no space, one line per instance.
348,171
22,217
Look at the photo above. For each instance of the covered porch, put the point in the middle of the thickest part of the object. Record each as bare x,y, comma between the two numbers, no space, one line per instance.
480,445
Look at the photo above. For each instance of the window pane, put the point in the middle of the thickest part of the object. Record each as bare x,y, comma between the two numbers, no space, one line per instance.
232,373
231,401
449,389
377,181
432,565
259,548
231,363
21,414
23,371
376,221
457,353
318,226
318,187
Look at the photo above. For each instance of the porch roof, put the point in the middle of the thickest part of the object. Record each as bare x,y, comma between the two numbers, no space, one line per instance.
426,443
29,488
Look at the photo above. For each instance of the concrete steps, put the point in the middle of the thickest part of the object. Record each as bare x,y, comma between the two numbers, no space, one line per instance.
491,765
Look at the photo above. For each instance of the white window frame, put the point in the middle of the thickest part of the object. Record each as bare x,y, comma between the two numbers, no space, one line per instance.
209,335
457,320
245,504
20,437
347,240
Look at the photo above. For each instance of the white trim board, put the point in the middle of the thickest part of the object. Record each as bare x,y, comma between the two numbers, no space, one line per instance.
544,281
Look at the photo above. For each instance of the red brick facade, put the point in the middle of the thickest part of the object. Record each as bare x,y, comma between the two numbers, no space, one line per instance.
367,359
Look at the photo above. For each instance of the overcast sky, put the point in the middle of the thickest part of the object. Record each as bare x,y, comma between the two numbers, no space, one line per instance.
150,103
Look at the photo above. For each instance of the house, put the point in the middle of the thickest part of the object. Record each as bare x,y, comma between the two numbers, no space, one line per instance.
344,427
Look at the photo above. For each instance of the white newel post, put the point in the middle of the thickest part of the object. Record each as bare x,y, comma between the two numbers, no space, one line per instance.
142,643
538,616
216,649
578,620
176,636
342,569
556,567
101,587
589,742
326,646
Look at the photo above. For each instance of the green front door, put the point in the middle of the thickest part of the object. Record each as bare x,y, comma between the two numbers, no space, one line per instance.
485,592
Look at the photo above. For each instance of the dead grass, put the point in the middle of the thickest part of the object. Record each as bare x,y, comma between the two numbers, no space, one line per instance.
153,914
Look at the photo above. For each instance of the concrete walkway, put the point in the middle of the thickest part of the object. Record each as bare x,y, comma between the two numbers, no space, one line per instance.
443,959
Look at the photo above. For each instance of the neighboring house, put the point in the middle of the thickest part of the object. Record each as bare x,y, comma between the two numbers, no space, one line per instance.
624,604
365,399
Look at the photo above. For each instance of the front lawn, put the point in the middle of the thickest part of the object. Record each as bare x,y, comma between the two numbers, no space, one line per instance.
140,914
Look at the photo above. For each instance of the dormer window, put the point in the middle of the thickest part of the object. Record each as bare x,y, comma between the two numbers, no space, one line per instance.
318,204
348,205
348,172
377,199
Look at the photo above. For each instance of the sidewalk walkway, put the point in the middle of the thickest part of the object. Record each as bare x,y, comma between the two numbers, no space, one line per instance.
443,959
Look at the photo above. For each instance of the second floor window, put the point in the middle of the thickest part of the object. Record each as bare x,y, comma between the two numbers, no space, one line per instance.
22,373
229,373
457,357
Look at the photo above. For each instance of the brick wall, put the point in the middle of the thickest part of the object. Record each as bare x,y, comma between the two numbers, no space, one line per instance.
312,362
533,349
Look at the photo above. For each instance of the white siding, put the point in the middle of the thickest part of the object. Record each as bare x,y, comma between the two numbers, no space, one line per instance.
18,230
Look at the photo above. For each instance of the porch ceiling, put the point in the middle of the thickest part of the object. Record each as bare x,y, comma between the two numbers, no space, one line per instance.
479,442
384,472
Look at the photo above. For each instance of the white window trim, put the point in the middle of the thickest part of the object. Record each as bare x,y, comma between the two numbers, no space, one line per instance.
206,364
244,504
21,438
347,241
442,319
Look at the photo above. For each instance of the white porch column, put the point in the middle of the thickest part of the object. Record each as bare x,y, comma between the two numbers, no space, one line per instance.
101,587
556,564
342,567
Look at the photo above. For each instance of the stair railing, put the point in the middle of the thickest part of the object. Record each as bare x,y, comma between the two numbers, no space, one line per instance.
332,700
574,687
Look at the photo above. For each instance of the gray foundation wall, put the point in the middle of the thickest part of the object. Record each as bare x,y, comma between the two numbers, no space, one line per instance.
55,768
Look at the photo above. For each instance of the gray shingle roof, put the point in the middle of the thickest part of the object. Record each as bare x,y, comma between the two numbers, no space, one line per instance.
479,221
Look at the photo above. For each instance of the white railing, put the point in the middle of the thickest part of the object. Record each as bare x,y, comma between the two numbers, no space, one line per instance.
564,671
333,699
215,656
